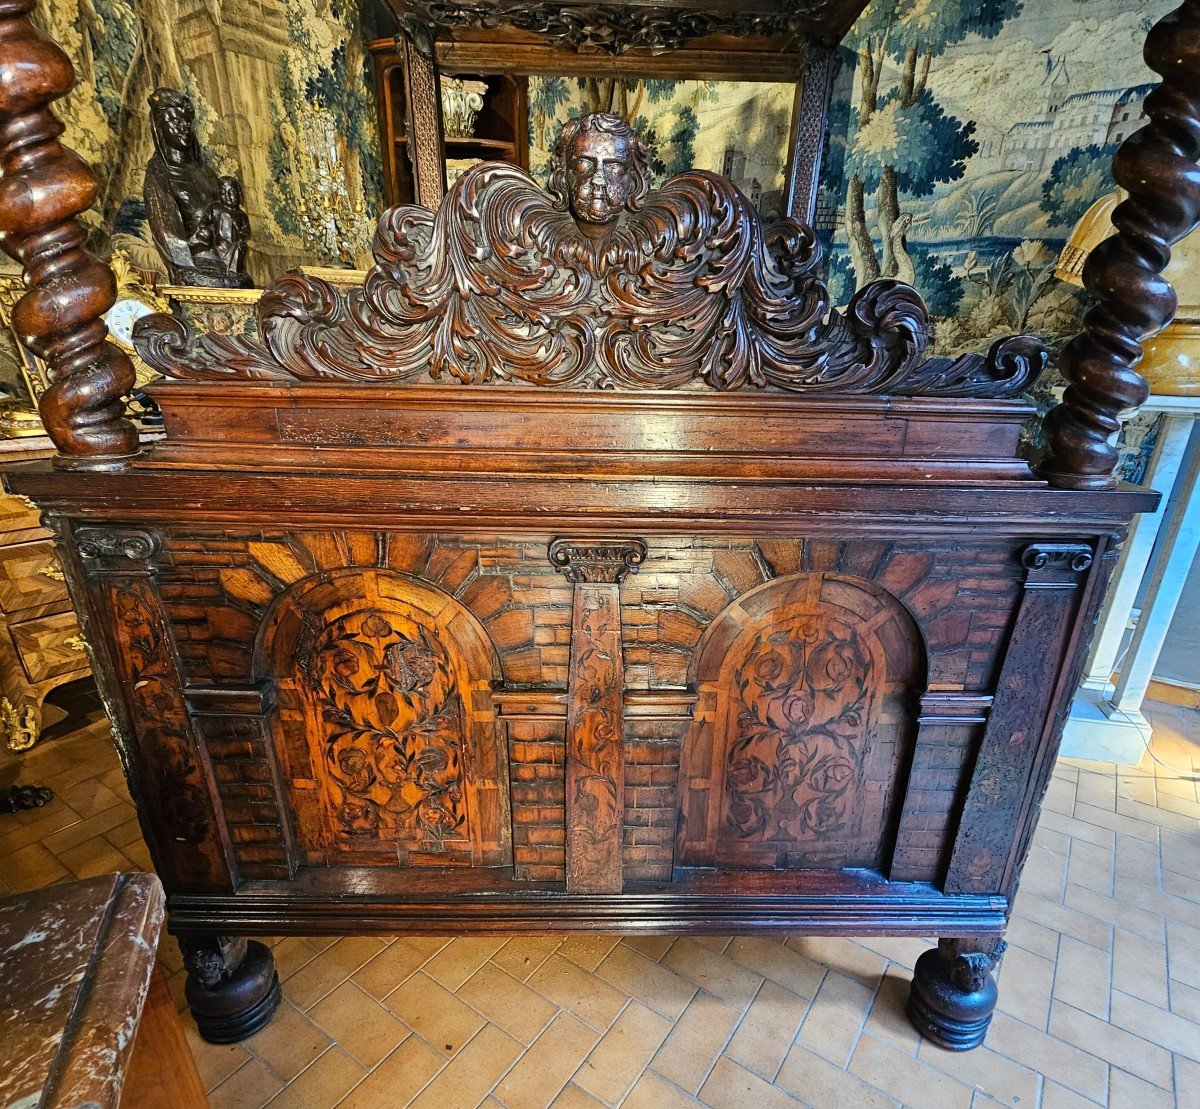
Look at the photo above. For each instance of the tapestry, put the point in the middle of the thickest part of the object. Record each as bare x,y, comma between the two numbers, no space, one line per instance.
967,140
284,100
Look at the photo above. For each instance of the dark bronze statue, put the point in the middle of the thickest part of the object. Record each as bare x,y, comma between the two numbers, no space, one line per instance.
196,217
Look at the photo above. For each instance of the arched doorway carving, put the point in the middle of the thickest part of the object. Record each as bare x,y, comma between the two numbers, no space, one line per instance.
803,734
383,723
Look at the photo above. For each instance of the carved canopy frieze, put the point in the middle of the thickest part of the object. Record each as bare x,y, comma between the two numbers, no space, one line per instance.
597,281
617,28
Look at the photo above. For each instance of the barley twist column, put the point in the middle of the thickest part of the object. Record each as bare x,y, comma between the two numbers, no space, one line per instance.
1157,166
43,188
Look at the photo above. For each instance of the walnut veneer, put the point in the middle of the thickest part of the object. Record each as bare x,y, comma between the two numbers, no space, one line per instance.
581,570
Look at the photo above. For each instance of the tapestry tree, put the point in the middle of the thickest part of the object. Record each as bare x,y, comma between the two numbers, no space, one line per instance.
902,138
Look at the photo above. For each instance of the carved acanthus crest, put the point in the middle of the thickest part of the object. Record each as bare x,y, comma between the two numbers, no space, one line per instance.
598,282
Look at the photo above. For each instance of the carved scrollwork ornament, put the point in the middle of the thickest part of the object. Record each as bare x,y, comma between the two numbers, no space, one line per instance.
133,544
1073,557
597,282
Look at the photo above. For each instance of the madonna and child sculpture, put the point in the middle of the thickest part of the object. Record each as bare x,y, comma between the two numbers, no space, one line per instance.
196,217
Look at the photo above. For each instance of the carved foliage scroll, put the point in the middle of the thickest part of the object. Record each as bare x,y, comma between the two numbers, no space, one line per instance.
617,28
385,691
502,285
384,723
802,736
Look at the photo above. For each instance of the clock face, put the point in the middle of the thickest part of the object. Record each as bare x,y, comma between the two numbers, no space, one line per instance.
122,316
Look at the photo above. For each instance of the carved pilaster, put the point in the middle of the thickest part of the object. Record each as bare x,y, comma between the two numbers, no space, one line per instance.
171,768
43,188
595,749
1157,166
423,108
981,861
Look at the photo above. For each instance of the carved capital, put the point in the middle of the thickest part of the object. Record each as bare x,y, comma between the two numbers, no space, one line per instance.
1055,564
597,561
133,544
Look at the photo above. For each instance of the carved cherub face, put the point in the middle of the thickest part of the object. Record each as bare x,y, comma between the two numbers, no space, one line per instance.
598,176
599,168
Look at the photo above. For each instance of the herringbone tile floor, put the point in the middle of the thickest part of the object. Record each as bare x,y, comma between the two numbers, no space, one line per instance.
1099,990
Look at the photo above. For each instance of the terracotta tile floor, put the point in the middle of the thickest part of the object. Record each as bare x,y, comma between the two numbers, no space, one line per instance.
1099,991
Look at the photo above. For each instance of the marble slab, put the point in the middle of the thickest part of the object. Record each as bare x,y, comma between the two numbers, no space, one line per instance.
75,965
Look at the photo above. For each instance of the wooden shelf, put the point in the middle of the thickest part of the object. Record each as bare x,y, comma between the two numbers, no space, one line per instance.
502,123
481,144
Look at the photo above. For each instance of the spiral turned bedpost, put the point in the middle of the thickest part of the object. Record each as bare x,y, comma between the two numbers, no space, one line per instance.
1157,166
43,188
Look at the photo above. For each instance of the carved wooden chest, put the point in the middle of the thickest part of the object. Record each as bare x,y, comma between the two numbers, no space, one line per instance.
582,570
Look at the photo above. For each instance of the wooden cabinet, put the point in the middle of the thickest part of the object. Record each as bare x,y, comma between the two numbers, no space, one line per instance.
581,570
40,644
501,131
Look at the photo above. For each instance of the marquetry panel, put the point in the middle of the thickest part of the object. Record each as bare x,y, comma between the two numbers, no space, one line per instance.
30,576
804,727
237,738
535,725
651,803
217,587
961,597
950,729
384,722
50,646
17,515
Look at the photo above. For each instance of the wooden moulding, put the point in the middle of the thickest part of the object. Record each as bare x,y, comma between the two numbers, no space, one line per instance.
441,429
632,503
696,902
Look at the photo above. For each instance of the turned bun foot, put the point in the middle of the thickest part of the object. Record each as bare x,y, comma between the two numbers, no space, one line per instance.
953,995
232,987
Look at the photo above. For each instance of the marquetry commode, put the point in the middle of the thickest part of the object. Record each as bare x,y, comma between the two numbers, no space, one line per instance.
40,645
583,571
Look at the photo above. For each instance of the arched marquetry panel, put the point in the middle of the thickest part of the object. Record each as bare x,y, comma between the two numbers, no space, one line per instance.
384,722
804,728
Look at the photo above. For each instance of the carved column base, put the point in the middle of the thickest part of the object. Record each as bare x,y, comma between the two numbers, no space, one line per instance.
954,994
232,987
